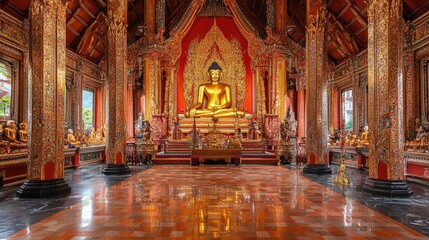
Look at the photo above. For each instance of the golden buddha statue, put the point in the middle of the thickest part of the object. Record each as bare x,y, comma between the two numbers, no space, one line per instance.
10,136
420,143
364,141
23,132
71,139
217,95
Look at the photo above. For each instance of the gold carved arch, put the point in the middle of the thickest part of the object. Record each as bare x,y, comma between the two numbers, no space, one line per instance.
229,54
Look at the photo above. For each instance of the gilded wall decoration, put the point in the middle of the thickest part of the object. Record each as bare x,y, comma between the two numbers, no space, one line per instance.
385,88
421,32
214,8
11,29
229,54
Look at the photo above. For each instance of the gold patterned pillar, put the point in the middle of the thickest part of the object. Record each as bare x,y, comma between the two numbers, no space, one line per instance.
316,88
116,86
410,94
277,87
45,169
385,99
150,19
152,84
170,95
300,85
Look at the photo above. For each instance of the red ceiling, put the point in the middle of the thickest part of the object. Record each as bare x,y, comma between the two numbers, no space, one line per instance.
347,22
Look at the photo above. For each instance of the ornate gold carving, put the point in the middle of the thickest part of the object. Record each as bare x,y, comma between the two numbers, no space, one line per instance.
215,47
385,87
214,8
316,83
47,88
116,59
271,14
160,13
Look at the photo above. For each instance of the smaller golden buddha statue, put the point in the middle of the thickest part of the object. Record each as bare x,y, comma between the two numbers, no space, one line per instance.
420,143
94,137
217,97
71,139
3,144
354,140
10,136
23,132
364,140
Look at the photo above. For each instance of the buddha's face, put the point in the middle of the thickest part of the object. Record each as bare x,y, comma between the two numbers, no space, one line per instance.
215,75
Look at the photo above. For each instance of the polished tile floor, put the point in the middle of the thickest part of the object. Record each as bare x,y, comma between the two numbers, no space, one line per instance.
215,202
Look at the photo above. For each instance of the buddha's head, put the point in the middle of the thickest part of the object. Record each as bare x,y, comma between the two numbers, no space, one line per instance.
70,131
215,72
23,126
10,123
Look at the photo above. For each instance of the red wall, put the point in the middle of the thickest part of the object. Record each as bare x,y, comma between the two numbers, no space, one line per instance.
199,29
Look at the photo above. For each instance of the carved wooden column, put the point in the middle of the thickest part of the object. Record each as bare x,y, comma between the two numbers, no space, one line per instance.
277,84
117,85
385,38
300,87
45,170
316,88
410,95
149,19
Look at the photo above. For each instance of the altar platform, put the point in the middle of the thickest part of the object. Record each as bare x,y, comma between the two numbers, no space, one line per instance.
225,125
179,152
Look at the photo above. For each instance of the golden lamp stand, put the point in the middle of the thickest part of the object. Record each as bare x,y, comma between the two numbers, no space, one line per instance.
341,177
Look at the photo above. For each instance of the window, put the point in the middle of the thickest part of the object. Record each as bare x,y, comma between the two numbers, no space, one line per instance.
5,88
347,108
88,109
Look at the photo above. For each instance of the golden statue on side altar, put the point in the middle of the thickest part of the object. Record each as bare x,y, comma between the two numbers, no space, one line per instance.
420,143
364,140
217,96
71,139
23,132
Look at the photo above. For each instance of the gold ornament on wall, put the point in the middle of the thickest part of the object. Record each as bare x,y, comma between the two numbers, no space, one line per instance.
228,53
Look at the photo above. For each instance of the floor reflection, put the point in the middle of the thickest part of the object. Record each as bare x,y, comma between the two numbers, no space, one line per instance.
184,202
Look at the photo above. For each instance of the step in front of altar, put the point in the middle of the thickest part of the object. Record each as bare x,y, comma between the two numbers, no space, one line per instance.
258,158
225,125
182,158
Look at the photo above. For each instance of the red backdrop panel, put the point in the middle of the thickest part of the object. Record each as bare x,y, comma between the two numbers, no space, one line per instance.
199,29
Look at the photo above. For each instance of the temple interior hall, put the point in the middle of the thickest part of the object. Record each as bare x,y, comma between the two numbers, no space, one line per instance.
214,119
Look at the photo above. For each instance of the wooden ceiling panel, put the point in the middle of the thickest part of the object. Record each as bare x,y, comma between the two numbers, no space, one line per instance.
347,34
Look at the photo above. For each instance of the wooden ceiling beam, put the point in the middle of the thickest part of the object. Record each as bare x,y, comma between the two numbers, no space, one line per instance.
425,6
361,30
71,13
76,41
102,3
352,35
343,10
81,20
357,12
82,5
72,30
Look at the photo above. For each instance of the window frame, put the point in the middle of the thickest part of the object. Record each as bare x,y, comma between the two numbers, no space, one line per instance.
342,108
93,106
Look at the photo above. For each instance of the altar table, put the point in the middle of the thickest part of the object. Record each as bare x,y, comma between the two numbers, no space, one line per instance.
216,154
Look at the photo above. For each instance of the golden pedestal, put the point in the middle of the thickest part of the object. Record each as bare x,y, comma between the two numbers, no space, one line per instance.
285,153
